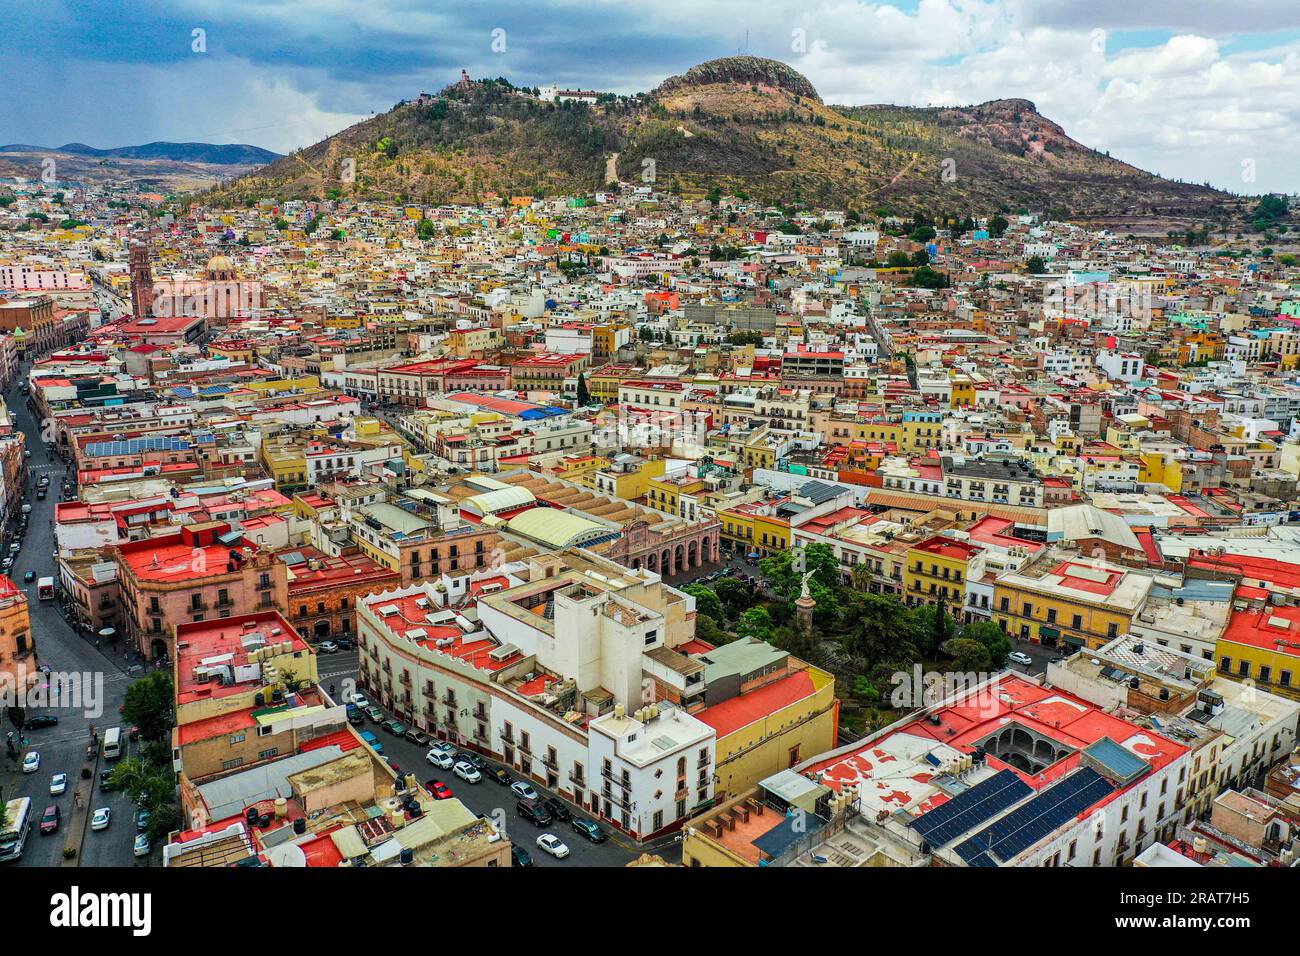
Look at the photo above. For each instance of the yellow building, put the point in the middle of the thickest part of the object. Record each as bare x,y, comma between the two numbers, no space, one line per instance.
1069,601
937,570
1262,646
755,526
581,469
286,464
629,480
1161,468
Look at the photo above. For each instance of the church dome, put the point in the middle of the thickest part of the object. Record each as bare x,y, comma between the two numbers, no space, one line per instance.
220,265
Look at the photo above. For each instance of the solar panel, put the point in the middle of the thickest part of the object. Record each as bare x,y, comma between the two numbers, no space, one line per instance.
969,809
1035,819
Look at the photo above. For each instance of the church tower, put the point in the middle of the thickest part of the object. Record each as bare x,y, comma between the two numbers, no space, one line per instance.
141,279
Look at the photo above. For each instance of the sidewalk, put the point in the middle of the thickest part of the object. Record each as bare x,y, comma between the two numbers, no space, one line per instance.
79,818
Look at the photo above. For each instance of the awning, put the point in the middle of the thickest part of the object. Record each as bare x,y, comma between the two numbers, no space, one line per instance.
1075,641
349,842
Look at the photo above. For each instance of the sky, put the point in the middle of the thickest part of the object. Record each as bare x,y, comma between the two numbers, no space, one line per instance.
1200,90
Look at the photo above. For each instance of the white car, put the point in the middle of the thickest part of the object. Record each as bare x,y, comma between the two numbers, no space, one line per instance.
101,819
1016,657
58,784
443,748
440,759
523,790
142,846
550,843
467,772
32,762
361,701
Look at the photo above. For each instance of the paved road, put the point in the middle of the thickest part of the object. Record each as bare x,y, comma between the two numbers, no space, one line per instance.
62,747
492,800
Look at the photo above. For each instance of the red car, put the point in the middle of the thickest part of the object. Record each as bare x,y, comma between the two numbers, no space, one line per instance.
439,790
50,819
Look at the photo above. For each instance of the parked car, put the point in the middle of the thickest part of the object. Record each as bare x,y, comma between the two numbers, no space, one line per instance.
50,819
39,721
440,759
58,784
142,846
443,747
417,737
101,819
498,775
374,713
550,843
327,647
466,771
590,829
534,813
394,727
1017,657
373,741
142,820
105,784
344,643
29,577
474,760
439,790
355,717
133,733
32,762
519,856
557,808
523,790
360,700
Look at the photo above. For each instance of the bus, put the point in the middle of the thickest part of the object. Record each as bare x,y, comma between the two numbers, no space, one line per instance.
113,743
13,834
45,588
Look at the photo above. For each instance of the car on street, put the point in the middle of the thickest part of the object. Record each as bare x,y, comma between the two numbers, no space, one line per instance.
474,760
498,775
39,721
417,737
369,737
439,790
1016,657
327,647
443,747
557,808
105,783
142,820
29,577
550,843
466,771
519,856
142,846
523,790
534,813
32,762
58,784
50,819
590,829
441,760
394,727
374,713
101,818
361,700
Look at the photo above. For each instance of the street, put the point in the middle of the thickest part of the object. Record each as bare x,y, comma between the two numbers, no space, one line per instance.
492,800
62,747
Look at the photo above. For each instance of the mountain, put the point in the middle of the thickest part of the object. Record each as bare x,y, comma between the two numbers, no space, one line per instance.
233,154
737,124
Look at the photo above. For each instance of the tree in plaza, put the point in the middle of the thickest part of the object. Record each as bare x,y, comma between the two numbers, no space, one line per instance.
967,655
881,630
735,595
993,639
755,622
706,602
787,569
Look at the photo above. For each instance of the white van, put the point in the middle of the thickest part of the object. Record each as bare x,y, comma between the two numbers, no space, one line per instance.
113,743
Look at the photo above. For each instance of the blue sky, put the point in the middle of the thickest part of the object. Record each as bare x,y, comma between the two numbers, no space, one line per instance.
1203,91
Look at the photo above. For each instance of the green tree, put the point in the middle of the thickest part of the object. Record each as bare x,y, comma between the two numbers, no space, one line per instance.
148,705
735,595
787,569
924,277
706,602
967,655
993,640
1035,265
584,396
998,226
426,229
755,622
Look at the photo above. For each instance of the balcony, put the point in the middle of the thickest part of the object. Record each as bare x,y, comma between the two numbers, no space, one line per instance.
551,762
578,780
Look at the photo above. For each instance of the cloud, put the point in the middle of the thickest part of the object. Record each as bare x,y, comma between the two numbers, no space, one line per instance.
1157,83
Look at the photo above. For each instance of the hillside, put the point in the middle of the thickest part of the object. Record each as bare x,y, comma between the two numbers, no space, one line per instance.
740,124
